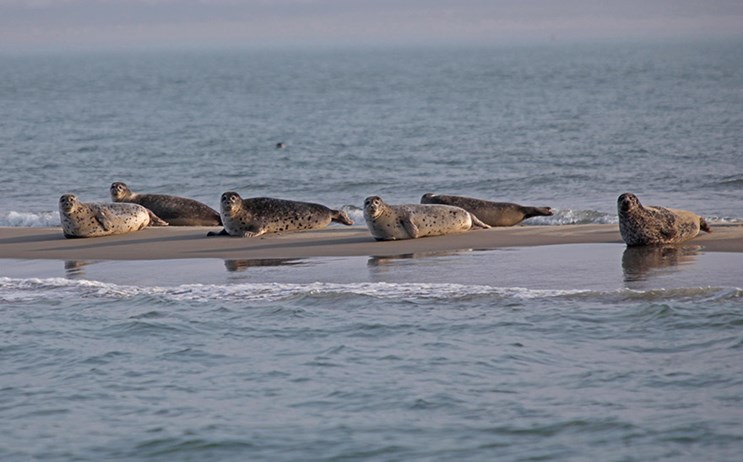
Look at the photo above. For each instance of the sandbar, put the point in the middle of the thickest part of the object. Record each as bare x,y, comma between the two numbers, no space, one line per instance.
335,241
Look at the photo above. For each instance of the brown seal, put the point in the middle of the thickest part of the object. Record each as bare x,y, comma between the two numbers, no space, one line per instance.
652,225
177,211
260,215
492,213
410,221
80,219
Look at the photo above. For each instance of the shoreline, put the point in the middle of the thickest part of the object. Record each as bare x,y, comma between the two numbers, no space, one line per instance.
191,242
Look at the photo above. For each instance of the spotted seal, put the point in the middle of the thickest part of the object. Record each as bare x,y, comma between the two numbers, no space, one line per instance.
651,225
410,221
260,215
81,219
492,213
177,211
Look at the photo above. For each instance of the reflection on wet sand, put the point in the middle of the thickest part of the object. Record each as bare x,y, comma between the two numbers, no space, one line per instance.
390,259
75,268
640,263
242,265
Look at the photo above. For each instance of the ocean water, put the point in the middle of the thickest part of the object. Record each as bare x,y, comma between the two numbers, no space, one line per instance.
568,352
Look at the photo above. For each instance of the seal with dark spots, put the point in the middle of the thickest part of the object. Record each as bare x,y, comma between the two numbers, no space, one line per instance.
652,225
492,213
260,215
410,221
177,211
81,219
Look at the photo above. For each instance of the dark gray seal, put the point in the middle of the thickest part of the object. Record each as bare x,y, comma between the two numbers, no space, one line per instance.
492,213
652,225
260,215
410,221
80,219
177,211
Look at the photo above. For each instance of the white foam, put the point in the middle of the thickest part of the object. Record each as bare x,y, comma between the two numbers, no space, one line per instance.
575,217
29,219
31,289
14,289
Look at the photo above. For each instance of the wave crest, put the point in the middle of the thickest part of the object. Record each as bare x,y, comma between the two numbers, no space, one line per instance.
15,290
30,219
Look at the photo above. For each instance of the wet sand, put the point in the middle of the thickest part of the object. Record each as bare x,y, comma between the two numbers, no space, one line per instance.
335,241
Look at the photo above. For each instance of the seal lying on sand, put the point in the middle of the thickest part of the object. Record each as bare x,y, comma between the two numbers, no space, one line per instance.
492,213
260,215
81,219
391,222
177,211
652,225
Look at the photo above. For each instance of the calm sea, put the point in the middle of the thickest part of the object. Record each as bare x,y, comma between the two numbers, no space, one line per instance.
573,352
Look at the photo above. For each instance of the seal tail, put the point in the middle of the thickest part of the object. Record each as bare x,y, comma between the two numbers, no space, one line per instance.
339,216
540,212
704,226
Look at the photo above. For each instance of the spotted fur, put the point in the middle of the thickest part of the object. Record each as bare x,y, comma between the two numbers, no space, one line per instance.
410,221
81,219
651,225
176,210
260,215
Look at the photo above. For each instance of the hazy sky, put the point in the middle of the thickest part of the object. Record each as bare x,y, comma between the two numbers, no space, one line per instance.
31,24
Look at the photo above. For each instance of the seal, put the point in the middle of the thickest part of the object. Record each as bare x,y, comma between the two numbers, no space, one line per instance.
492,213
652,225
260,215
177,211
410,221
80,219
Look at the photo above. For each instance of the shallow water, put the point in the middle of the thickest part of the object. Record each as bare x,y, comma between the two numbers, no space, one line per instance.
570,127
558,352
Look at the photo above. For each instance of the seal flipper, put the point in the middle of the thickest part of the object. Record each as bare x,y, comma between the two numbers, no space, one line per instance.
339,216
104,218
477,223
409,226
221,233
155,220
538,212
668,232
704,226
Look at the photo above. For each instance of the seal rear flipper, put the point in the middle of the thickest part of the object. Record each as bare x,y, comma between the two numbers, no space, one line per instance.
538,212
339,216
221,233
477,223
704,226
155,220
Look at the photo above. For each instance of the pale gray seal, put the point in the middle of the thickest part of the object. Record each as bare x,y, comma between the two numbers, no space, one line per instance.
260,215
410,221
492,213
651,225
81,219
177,211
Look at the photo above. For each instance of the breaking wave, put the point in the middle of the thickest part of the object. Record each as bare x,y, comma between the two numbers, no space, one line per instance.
32,289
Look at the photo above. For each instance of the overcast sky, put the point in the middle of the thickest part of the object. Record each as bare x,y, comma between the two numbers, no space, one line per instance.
43,24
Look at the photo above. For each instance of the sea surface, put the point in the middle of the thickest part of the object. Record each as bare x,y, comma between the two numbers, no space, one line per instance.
568,352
